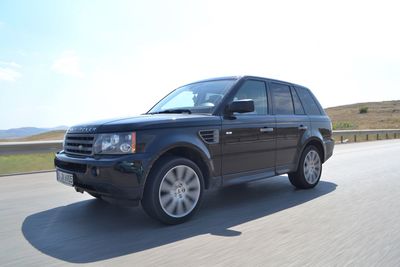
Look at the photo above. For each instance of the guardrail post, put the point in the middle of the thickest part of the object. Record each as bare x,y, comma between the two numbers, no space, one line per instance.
341,139
355,138
395,135
387,136
367,137
377,136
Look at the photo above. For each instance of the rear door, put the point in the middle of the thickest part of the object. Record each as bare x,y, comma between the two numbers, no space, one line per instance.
291,125
248,139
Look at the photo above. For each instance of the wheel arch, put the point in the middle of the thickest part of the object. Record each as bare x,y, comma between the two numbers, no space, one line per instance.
315,142
189,151
318,144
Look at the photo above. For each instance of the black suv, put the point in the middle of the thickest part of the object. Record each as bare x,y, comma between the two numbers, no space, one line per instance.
207,134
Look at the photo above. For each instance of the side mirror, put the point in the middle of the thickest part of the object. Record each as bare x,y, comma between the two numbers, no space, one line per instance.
241,106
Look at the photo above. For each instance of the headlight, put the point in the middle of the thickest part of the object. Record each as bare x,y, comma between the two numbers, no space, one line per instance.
115,143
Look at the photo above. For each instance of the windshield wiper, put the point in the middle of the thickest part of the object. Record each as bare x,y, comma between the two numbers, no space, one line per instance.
178,110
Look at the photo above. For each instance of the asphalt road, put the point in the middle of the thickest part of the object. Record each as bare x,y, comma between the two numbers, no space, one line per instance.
351,218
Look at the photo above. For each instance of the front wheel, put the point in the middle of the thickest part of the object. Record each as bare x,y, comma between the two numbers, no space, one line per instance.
173,190
309,170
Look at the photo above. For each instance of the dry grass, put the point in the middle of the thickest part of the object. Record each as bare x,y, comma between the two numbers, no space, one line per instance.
26,162
380,115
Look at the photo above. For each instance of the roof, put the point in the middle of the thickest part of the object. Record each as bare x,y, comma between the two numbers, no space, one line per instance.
237,77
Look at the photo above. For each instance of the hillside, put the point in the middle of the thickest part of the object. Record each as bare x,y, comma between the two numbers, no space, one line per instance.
380,115
27,131
51,135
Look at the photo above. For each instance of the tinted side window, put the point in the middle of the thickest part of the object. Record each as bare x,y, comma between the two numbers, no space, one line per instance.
281,99
308,102
298,108
256,91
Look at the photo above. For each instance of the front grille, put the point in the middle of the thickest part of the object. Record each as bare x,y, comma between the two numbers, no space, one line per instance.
69,166
79,144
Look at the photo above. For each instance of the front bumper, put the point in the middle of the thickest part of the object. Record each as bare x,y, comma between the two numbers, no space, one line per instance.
119,178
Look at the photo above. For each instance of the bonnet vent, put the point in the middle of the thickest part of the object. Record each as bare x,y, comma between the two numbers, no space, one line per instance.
210,136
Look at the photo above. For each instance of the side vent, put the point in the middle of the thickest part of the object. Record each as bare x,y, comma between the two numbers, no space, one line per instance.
210,136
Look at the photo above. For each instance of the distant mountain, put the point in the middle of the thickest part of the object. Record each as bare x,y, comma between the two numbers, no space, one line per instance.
27,131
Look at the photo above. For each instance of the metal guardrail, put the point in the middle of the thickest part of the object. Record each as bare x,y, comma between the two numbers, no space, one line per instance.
354,135
7,148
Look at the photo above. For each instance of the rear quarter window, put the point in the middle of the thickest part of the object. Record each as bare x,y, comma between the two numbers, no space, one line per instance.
298,108
309,104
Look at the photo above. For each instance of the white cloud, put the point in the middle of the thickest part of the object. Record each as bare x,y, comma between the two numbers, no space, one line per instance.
8,74
8,71
68,64
11,64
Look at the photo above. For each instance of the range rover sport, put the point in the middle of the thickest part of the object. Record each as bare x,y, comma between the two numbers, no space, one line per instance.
207,134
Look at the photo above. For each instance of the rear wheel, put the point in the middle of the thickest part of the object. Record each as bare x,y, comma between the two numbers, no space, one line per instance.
309,170
173,190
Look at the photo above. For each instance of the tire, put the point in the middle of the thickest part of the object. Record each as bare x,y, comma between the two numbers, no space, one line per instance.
309,170
173,190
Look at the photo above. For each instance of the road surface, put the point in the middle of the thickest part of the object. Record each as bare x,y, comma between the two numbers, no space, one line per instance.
351,218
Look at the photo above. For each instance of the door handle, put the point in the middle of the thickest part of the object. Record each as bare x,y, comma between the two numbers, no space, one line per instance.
266,130
303,127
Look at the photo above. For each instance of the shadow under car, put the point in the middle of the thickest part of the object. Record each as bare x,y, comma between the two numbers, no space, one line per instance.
92,230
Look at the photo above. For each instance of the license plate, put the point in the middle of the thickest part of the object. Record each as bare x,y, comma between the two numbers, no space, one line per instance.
65,178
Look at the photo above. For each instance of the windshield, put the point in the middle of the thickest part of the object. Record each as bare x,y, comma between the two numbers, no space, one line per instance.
201,97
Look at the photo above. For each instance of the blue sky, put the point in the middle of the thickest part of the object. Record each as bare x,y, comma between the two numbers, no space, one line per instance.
65,62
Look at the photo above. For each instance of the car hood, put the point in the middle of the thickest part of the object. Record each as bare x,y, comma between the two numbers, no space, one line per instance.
146,121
